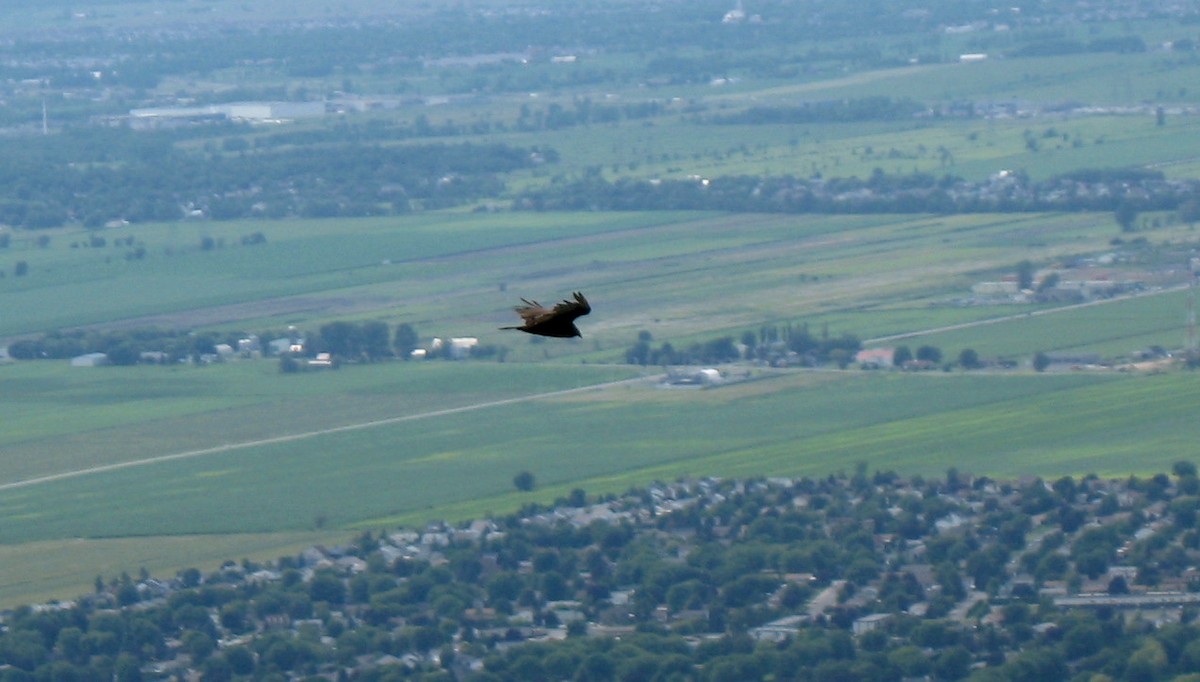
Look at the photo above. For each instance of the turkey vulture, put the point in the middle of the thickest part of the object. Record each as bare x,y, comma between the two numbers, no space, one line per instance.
558,321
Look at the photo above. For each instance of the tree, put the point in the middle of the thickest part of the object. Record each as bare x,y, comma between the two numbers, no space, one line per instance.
1126,216
524,481
343,339
216,669
1040,361
929,354
240,659
953,663
901,355
127,668
1183,468
327,587
1189,211
198,644
638,353
969,359
909,660
1025,271
405,340
1049,282
375,340
1147,663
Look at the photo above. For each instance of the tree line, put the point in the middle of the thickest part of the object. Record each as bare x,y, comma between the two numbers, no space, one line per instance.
772,344
47,183
123,347
876,108
790,344
880,193
367,341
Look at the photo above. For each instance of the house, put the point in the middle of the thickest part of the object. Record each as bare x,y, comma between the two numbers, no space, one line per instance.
706,376
460,347
249,347
779,630
90,360
875,358
870,622
285,344
1005,287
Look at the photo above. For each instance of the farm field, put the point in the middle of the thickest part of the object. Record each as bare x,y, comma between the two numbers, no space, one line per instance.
1112,329
457,465
973,149
677,275
241,460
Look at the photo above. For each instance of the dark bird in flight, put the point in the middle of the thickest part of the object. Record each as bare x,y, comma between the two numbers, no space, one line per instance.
558,321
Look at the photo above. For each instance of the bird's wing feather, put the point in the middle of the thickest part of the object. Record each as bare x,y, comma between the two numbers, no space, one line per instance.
573,309
532,311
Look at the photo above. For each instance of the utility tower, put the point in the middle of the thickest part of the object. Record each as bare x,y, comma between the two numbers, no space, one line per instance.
1190,352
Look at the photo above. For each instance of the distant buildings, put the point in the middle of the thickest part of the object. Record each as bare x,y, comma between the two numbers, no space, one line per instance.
236,111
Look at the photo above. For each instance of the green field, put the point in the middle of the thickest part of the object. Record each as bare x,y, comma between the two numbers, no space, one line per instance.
418,462
675,274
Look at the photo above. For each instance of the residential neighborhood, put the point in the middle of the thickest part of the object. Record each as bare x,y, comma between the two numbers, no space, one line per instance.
707,568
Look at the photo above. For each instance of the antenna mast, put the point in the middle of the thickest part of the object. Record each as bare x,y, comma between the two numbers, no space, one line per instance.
1190,351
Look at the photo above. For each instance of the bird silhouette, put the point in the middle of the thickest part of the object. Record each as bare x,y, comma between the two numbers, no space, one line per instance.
558,321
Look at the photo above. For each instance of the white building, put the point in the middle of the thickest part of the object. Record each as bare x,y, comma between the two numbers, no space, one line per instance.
90,360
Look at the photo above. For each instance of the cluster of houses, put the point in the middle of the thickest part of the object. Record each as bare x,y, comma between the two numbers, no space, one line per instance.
969,502
253,348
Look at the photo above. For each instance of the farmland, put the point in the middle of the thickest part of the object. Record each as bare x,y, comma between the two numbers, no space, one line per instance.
240,450
460,464
683,274
109,470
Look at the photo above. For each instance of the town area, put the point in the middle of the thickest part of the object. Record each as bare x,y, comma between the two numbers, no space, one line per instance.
855,576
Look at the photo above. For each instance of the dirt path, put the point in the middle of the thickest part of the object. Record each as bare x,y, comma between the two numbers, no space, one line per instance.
1009,318
229,447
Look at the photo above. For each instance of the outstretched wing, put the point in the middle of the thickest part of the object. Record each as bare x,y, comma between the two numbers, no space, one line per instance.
557,321
533,312
569,310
